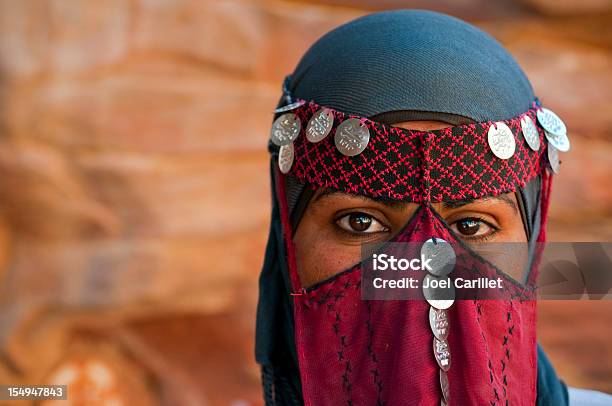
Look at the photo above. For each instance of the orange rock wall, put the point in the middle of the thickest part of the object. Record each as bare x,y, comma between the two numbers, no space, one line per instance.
129,168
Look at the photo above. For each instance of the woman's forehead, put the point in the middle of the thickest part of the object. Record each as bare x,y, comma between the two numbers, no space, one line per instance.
329,196
422,125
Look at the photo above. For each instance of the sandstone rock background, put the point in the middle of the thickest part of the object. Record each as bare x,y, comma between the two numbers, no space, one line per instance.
129,166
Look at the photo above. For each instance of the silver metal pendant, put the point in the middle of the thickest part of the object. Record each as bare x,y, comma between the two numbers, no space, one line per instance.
444,386
439,292
442,354
319,125
530,132
285,129
560,142
286,154
352,137
551,122
441,255
501,140
441,304
439,323
553,158
290,107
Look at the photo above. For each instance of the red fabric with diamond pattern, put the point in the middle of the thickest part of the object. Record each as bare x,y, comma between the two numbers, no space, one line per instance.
367,352
449,164
372,352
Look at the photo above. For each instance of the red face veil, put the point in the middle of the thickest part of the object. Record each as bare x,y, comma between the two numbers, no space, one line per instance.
325,344
376,352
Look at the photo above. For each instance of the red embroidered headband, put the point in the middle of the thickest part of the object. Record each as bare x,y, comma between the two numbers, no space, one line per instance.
324,147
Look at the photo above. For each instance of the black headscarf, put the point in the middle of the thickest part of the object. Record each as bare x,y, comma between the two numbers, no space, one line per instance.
391,67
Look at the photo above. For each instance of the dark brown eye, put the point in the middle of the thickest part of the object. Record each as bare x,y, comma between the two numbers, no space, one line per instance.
360,223
469,226
472,227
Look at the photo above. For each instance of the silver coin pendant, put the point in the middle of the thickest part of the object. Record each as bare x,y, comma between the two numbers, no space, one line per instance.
286,155
560,142
352,137
319,125
501,140
285,129
553,159
441,256
530,132
439,323
442,353
444,386
551,122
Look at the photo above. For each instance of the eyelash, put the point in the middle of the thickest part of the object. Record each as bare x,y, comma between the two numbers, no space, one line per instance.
479,238
359,235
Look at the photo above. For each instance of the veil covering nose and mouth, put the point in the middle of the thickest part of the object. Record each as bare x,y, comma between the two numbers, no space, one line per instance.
325,345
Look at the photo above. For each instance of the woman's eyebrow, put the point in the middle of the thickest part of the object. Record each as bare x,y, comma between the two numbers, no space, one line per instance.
324,193
460,203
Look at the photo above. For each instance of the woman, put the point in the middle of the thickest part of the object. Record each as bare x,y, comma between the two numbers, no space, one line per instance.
405,127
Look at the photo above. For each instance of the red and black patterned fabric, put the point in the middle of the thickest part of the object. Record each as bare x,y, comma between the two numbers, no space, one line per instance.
368,352
454,163
379,352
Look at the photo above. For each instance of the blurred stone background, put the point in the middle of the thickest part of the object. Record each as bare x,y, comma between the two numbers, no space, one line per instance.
134,198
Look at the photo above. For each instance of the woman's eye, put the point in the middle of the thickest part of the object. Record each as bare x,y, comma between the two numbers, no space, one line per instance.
472,227
360,223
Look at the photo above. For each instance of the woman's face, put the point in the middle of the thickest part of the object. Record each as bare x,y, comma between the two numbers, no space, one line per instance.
334,226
